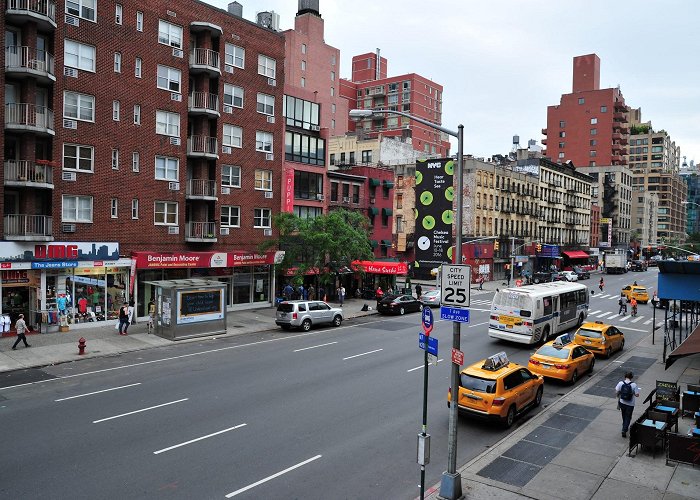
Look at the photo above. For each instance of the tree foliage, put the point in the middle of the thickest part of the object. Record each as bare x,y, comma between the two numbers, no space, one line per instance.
336,238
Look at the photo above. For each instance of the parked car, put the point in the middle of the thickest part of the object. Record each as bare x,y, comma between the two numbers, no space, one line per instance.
569,275
307,313
581,273
638,265
431,298
399,304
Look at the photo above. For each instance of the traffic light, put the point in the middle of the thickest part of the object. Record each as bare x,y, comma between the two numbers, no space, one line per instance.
539,248
496,245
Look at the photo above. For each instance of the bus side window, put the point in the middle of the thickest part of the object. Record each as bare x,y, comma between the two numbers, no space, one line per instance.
547,301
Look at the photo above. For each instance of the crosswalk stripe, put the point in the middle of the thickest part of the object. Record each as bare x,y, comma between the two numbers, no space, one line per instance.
604,295
638,318
604,314
596,311
612,297
625,318
647,322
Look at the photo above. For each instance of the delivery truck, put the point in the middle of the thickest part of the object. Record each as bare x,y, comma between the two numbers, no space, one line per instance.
615,263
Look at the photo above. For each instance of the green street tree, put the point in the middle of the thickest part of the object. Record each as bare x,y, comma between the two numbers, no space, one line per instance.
325,243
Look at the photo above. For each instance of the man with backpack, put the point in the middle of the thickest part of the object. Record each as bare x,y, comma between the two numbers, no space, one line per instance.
626,391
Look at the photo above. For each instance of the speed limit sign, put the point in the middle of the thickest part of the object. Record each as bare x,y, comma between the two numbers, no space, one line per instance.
455,285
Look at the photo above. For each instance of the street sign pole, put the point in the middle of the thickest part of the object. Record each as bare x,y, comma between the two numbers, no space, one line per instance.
423,439
425,419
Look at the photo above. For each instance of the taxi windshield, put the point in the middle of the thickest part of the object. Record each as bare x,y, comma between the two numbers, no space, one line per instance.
594,334
553,352
477,384
639,289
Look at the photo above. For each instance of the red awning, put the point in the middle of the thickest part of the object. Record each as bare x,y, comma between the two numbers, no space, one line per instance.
576,254
380,267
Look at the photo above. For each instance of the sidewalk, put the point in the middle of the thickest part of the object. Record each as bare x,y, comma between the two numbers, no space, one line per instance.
573,449
103,340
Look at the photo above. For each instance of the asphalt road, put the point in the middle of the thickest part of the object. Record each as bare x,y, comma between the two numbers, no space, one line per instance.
329,414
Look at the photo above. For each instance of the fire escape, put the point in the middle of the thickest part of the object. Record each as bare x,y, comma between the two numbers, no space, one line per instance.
610,204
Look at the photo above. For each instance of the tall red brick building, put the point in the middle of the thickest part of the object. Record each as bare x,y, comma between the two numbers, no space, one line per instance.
145,129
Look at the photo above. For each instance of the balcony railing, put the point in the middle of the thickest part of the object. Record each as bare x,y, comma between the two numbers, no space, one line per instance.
200,231
18,57
28,115
42,8
25,171
28,225
204,101
202,145
201,188
205,58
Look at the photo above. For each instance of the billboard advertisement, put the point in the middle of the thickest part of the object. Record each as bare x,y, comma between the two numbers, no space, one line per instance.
434,214
606,233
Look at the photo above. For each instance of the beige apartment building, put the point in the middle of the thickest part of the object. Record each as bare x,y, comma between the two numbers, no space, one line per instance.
645,221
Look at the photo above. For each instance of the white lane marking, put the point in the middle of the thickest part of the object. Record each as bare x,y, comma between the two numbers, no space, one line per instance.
138,411
633,329
614,297
363,354
638,318
97,392
268,478
625,318
198,439
603,296
421,366
314,347
477,324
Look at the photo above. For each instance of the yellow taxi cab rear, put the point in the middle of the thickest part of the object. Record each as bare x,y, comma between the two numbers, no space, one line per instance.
497,389
638,292
600,338
562,359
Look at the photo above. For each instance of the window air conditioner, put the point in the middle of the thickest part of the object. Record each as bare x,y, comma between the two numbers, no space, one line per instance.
68,228
226,149
174,96
69,176
315,128
268,194
269,156
175,141
270,119
72,20
346,199
174,186
173,229
72,124
228,109
272,82
320,197
225,190
267,232
224,231
228,68
72,72
177,53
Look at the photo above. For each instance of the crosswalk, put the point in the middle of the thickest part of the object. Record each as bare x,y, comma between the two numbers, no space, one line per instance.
608,316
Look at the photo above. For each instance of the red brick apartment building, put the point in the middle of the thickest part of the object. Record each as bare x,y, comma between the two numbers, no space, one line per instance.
152,125
371,88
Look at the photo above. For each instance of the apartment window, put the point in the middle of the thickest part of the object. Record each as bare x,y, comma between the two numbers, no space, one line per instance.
263,180
168,123
399,223
352,157
333,108
231,176
561,155
399,181
562,134
561,145
79,55
116,110
266,66
302,82
138,64
137,114
303,48
594,131
76,208
114,208
332,158
165,213
303,65
399,200
262,217
169,34
593,142
562,124
84,9
233,136
117,62
266,104
166,168
307,185
592,153
78,157
332,76
135,208
300,113
230,216
139,21
135,161
234,56
581,100
263,141
115,159
332,91
333,59
233,96
79,106
594,121
367,156
603,109
305,149
169,78
333,123
118,11
591,164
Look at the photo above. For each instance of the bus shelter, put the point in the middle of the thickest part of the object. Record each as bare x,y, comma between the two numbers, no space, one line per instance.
187,308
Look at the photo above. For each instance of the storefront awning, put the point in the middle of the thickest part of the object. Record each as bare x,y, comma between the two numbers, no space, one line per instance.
387,211
691,345
388,184
374,182
373,210
379,267
576,254
373,243
386,243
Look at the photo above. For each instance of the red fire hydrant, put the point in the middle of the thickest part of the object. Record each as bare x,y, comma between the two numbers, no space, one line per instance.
81,345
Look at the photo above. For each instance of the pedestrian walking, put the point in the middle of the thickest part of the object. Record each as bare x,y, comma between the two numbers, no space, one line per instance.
507,279
123,319
321,294
287,292
623,307
312,292
481,282
341,294
151,315
379,294
419,290
626,391
21,327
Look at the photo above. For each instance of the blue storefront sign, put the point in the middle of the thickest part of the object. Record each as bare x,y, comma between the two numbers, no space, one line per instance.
54,265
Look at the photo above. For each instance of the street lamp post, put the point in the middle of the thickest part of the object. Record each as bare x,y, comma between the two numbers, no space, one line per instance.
451,483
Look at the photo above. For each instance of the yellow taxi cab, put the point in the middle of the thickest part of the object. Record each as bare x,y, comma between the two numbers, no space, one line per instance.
638,292
562,359
600,338
496,389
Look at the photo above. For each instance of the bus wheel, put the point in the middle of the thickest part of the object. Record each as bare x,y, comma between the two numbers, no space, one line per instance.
580,321
544,337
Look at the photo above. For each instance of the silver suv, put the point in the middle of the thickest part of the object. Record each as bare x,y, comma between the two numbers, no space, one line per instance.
306,313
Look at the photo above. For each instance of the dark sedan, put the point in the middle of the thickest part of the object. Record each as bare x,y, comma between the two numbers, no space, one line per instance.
399,304
582,273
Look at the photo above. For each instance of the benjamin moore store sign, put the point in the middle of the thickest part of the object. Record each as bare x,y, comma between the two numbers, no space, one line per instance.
434,214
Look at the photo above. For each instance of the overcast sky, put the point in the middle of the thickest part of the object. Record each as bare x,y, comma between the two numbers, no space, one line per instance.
502,62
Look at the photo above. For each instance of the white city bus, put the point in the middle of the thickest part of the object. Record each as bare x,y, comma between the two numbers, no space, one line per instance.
533,313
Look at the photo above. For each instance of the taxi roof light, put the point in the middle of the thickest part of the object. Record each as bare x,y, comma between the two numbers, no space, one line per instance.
496,362
562,340
599,322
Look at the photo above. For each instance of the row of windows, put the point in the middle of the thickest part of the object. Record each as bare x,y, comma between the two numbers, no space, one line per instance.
366,157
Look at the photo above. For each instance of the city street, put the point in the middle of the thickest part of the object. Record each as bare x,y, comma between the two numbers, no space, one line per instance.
332,413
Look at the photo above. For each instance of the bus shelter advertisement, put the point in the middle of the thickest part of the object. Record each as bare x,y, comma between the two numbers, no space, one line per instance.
434,214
